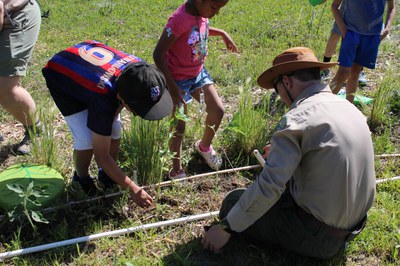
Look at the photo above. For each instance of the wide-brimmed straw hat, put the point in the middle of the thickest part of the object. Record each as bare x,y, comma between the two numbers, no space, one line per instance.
291,60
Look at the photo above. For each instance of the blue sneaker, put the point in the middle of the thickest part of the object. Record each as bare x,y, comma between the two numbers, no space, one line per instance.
105,181
88,184
362,79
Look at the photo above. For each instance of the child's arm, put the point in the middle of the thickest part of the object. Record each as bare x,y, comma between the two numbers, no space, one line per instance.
230,45
1,15
338,17
390,12
101,150
159,55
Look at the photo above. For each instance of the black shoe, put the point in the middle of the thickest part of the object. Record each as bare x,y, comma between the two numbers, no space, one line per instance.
1,138
105,181
88,184
24,147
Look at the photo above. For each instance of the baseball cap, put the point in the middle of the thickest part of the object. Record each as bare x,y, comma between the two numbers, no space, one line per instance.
144,89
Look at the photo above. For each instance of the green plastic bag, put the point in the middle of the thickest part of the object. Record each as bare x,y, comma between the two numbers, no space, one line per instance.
23,174
358,99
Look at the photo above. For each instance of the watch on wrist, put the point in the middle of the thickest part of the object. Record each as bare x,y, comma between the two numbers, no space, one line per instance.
225,226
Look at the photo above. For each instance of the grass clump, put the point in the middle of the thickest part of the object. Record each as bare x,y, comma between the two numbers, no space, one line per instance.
250,127
145,149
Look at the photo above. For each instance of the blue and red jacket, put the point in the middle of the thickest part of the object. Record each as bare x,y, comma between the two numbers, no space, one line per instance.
92,65
84,77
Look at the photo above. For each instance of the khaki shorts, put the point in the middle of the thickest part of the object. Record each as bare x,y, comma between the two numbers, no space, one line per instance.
17,39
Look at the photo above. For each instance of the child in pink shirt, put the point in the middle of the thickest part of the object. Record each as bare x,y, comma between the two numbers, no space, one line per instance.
180,54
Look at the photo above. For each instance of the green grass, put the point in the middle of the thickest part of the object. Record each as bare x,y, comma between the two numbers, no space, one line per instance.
260,30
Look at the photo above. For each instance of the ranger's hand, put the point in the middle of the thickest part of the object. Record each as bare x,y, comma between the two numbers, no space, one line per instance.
215,239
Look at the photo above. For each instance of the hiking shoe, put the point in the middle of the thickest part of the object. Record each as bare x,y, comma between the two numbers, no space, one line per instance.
325,74
105,181
88,184
24,147
362,79
1,138
213,160
176,175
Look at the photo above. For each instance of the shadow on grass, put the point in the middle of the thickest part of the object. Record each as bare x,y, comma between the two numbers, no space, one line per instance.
238,252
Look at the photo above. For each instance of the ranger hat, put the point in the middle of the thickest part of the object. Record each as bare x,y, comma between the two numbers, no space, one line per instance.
291,60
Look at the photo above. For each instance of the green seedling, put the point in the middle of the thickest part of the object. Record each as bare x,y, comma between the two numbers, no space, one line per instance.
29,196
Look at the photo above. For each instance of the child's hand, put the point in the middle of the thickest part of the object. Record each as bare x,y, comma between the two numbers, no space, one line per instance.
384,33
230,45
142,198
176,94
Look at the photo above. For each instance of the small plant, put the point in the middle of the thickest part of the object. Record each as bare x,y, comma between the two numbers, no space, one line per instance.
29,196
145,148
43,144
249,127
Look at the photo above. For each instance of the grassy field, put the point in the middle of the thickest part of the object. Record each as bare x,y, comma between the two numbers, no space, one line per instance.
261,29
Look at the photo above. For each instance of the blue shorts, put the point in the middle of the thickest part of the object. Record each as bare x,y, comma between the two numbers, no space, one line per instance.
193,84
359,49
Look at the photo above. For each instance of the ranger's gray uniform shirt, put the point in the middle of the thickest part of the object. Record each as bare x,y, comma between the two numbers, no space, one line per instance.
324,144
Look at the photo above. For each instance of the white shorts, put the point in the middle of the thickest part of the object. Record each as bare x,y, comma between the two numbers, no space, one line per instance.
82,135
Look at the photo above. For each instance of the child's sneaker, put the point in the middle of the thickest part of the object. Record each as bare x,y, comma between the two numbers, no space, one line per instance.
362,79
105,181
176,175
24,147
213,160
87,183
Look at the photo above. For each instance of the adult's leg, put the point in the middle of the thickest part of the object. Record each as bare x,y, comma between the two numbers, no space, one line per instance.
282,226
17,101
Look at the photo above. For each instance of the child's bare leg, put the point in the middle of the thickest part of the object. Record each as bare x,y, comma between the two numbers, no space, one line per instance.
82,159
341,76
215,112
331,45
352,82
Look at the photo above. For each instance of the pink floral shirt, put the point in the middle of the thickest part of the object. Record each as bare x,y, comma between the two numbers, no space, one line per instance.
186,57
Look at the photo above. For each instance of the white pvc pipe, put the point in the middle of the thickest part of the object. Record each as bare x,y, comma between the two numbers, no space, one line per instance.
220,172
387,155
165,183
260,159
387,179
106,234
